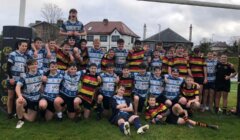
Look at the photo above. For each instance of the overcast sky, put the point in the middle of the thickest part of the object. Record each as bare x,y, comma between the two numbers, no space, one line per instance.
219,24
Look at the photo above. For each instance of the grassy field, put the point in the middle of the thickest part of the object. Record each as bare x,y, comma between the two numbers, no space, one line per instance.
92,129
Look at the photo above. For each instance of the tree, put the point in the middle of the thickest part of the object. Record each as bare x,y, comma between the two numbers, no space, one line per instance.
51,13
205,45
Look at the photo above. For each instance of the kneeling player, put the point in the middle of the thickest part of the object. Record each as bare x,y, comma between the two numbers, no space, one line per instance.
29,98
51,91
122,113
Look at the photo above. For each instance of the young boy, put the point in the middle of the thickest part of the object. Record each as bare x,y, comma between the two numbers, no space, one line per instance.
68,92
135,57
190,93
141,87
84,54
107,59
209,87
28,97
95,54
120,56
122,114
53,58
156,60
224,72
126,79
51,90
156,84
89,87
15,69
109,80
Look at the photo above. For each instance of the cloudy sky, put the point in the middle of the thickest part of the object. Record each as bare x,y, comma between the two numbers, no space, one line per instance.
216,24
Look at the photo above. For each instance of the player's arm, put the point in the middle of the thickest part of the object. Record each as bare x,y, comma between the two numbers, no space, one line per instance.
205,74
35,51
48,51
128,109
11,80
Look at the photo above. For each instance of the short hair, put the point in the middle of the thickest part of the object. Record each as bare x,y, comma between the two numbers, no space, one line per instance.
151,96
37,39
31,62
143,66
159,43
188,76
92,65
125,67
157,67
72,11
120,40
52,63
83,40
137,42
109,65
72,65
22,41
175,70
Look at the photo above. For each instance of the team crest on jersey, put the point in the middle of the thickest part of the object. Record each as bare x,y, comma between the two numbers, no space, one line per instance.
4,67
7,50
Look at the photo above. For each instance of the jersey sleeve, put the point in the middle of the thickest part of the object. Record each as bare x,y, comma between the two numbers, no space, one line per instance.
11,58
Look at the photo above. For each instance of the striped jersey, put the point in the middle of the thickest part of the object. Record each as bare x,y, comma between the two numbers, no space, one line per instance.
18,62
62,60
189,93
172,87
197,65
127,82
156,62
211,70
69,85
181,63
39,58
141,84
156,85
31,85
105,61
51,88
135,59
46,60
84,55
108,84
88,88
165,63
72,26
95,56
120,59
152,111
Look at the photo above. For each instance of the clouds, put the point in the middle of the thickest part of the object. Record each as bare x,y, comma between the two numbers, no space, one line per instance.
206,21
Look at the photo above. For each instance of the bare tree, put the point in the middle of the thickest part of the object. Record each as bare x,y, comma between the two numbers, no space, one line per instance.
51,12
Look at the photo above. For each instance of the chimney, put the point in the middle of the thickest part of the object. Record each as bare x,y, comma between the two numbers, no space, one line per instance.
190,33
105,21
144,31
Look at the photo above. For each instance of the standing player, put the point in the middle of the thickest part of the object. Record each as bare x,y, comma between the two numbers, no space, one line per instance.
15,69
135,57
84,54
120,56
156,61
107,59
109,81
224,72
122,114
141,87
28,97
95,54
53,57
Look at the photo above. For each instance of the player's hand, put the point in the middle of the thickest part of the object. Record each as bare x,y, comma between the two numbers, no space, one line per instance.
227,77
159,117
205,80
12,81
75,33
44,78
21,99
49,55
70,33
35,54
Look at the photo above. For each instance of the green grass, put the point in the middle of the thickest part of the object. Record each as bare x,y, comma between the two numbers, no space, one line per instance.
92,129
234,61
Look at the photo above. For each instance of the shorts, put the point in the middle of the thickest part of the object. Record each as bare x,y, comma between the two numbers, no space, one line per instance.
69,102
223,86
172,118
199,80
106,102
11,87
50,105
87,105
175,100
161,99
209,86
141,103
123,115
31,104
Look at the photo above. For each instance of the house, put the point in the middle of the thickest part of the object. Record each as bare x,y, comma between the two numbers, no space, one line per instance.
169,38
46,30
108,32
219,46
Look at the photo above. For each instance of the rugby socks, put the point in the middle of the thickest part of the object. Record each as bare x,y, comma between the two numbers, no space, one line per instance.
137,123
121,127
59,115
201,124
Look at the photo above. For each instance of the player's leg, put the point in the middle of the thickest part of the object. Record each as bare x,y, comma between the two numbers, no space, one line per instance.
20,103
43,107
99,106
31,115
135,103
225,101
86,113
135,120
217,100
58,102
70,107
211,98
124,126
10,102
206,94
77,101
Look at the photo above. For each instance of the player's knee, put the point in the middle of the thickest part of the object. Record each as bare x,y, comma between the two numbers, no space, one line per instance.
100,98
136,98
182,101
168,103
58,101
42,104
77,101
181,121
120,121
196,105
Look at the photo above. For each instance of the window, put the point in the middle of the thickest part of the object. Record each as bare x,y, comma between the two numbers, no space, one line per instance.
132,40
115,38
90,38
103,38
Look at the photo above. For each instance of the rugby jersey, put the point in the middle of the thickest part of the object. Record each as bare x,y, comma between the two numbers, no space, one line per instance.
105,61
156,63
108,84
211,70
165,63
46,60
84,55
62,60
135,59
189,93
88,88
141,84
156,85
31,85
172,87
120,59
39,58
95,56
197,65
127,82
181,64
152,111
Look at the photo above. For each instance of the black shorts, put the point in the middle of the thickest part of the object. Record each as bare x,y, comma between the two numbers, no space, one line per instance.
141,103
106,102
87,105
172,118
161,99
33,105
50,105
69,101
11,87
123,115
199,80
209,86
175,100
223,86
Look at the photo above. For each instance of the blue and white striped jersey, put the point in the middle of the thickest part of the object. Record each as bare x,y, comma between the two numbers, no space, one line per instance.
211,70
141,84
120,59
95,56
156,85
108,84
